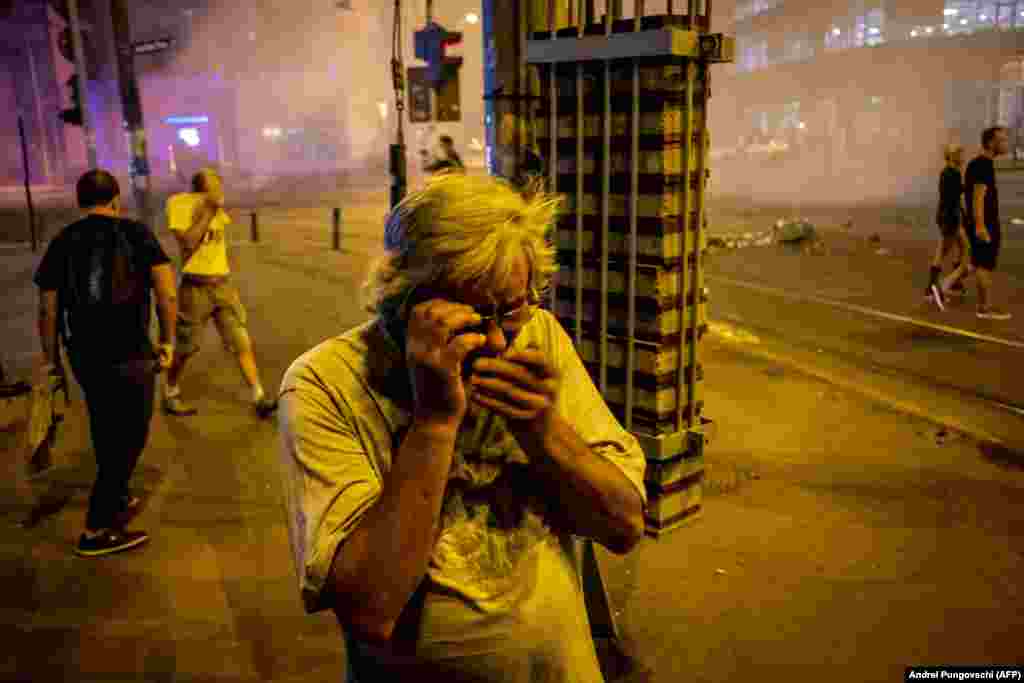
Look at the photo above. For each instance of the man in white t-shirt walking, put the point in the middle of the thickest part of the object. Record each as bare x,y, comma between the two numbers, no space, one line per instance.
198,221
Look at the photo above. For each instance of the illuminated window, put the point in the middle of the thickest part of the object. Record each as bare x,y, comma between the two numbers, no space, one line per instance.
961,15
869,29
986,15
965,16
753,55
1006,15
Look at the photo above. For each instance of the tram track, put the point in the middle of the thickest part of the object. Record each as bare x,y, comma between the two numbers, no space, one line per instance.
951,369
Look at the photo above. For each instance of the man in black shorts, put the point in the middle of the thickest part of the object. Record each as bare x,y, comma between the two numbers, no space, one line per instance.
949,218
982,217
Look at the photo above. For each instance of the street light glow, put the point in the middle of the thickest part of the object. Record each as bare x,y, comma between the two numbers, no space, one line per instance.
928,29
913,34
963,22
472,18
950,12
836,32
190,136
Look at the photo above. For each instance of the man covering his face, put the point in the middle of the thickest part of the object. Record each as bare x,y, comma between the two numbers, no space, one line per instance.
439,458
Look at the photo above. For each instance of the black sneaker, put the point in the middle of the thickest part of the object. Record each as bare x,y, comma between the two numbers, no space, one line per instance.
110,541
174,405
265,407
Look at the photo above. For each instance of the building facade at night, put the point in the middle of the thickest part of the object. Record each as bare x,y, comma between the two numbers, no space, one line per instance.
264,89
846,100
30,84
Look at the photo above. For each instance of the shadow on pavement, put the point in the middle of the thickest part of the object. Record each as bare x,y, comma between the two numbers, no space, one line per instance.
52,501
1002,456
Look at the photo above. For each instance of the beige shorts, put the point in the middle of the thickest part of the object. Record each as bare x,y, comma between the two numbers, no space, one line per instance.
197,303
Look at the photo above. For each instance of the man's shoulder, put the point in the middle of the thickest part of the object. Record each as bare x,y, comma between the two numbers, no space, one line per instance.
980,164
979,169
543,333
135,228
179,208
338,361
73,231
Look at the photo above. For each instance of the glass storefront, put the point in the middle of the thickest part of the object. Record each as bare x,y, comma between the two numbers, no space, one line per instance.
967,16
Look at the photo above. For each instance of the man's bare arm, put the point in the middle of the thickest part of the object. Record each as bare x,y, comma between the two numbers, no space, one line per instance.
597,499
166,301
47,324
979,211
191,238
380,565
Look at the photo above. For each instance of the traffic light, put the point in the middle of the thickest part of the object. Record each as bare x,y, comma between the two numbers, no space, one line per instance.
73,116
431,45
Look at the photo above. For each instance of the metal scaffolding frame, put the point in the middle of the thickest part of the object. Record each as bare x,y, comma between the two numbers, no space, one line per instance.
582,48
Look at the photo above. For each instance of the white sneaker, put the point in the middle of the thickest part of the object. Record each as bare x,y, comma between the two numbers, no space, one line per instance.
992,313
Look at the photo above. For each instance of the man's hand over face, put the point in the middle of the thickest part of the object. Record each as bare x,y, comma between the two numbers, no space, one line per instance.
521,385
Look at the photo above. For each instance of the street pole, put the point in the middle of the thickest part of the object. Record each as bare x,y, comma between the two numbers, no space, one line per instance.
396,152
131,107
83,78
28,182
47,169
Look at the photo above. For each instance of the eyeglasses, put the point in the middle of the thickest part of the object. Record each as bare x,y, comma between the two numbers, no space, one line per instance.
509,320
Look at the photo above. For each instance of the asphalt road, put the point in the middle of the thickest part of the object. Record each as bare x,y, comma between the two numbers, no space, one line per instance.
853,306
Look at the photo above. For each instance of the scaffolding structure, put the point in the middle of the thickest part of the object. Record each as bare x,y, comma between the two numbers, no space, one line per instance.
622,120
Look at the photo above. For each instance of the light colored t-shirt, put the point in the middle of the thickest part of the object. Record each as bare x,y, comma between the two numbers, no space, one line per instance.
211,256
503,596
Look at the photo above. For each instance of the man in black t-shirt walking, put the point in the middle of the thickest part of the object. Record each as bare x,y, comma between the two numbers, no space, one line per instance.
94,292
982,217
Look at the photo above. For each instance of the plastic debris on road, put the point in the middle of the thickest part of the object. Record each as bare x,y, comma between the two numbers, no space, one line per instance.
791,232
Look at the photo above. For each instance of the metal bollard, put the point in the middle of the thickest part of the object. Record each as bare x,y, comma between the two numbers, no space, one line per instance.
254,227
337,229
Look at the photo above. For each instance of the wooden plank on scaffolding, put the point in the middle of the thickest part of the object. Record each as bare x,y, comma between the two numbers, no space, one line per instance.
664,42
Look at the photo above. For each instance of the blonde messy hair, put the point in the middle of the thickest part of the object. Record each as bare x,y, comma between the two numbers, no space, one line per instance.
952,152
461,230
